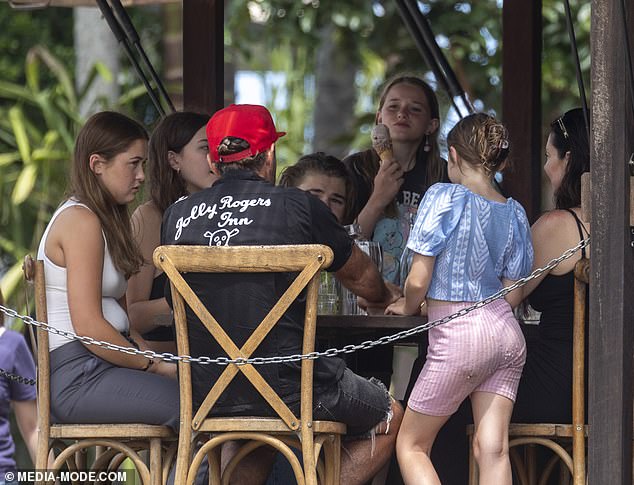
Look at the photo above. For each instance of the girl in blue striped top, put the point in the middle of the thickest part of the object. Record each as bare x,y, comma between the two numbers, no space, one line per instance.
468,242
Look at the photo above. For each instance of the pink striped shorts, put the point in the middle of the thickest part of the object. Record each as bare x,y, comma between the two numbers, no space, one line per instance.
481,351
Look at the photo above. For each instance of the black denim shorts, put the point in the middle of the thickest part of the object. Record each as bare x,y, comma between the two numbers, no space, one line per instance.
358,402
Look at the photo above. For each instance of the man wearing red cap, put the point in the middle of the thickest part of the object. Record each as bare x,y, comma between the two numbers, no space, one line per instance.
244,207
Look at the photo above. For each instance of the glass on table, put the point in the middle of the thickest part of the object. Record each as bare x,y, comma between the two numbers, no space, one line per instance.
328,301
349,304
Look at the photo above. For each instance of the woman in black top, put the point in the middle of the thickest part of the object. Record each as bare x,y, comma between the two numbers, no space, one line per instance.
545,391
177,166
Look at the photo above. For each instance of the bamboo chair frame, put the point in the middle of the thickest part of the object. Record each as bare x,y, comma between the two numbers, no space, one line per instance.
560,438
281,432
118,441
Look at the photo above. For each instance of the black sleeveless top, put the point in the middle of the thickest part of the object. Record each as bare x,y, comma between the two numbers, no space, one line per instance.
545,390
553,297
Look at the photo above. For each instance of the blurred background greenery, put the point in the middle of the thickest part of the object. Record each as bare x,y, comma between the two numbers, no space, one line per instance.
318,63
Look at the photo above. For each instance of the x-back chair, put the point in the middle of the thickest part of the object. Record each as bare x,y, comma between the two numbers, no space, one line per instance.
285,430
555,436
117,441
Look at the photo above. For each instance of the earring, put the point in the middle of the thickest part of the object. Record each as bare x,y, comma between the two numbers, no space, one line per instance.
427,146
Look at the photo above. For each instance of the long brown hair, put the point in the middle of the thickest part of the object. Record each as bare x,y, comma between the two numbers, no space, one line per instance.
436,167
165,185
107,134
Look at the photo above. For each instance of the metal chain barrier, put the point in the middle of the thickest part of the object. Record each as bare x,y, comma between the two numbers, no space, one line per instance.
16,377
348,349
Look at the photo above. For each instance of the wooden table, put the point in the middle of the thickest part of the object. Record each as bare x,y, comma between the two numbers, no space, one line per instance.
339,330
376,322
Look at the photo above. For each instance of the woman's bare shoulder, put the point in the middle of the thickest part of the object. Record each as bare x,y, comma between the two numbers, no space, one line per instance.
78,216
146,216
553,233
554,219
76,230
147,211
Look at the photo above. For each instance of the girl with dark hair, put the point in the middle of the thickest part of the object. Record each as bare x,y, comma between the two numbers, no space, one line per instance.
468,242
545,392
177,166
88,254
325,177
388,193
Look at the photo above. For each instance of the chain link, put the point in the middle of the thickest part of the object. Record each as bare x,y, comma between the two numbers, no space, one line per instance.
348,349
16,377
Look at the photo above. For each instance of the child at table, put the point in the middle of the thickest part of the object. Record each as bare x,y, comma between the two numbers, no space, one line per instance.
16,396
468,241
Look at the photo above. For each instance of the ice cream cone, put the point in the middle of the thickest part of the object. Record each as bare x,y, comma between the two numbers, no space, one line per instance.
382,142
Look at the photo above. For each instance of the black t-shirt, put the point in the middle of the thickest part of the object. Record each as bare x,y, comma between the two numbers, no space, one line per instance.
391,230
243,209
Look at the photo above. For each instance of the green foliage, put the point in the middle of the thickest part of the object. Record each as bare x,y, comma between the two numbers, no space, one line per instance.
559,81
469,33
38,101
38,124
20,30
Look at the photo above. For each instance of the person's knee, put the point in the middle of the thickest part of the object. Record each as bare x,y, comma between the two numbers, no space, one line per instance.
488,446
409,442
392,422
397,417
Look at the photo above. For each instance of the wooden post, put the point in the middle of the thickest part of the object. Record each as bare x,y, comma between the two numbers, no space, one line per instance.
521,100
612,263
203,55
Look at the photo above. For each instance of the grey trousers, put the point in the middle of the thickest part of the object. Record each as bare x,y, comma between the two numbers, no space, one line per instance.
87,389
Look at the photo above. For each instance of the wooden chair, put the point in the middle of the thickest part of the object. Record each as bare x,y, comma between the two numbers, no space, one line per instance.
285,430
557,437
117,441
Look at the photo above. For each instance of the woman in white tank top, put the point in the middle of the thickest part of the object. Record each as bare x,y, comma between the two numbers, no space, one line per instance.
88,255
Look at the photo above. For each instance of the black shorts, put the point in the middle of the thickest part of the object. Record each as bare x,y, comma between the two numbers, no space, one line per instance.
358,402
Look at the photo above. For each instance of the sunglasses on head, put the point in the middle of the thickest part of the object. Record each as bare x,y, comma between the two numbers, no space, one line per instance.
562,127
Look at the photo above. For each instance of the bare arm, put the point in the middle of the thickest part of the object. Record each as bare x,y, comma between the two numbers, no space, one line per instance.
361,276
416,286
146,314
26,418
386,184
515,297
81,253
552,234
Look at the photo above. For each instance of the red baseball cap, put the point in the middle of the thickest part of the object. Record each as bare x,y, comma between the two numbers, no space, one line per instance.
253,123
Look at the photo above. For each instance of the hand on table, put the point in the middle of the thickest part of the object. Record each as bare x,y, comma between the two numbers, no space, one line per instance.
393,293
399,308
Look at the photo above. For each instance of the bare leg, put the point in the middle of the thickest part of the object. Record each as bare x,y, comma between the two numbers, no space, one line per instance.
492,415
358,464
413,447
254,468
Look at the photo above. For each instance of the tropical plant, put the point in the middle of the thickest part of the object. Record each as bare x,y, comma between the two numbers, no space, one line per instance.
38,123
